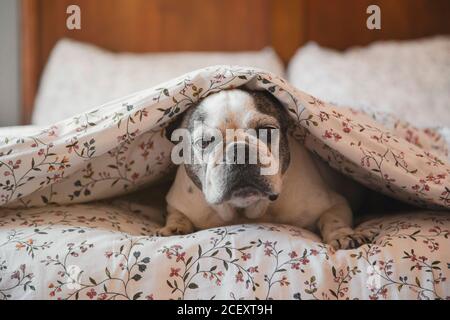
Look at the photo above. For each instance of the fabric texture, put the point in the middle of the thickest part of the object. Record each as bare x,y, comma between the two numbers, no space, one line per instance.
119,147
80,76
410,79
104,251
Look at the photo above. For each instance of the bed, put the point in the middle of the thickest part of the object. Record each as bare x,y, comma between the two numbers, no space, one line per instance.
82,227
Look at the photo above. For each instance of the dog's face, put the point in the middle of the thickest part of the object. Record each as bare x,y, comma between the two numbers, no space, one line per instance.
238,147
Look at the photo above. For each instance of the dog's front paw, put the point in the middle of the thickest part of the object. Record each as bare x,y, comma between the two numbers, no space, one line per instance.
175,229
347,238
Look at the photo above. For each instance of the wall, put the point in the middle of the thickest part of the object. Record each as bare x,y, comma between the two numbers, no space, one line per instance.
9,63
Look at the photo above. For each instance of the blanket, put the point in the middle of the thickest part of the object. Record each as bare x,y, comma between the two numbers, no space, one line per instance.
120,146
101,251
60,240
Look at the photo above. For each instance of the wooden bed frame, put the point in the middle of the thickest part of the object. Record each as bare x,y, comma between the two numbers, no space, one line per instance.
217,25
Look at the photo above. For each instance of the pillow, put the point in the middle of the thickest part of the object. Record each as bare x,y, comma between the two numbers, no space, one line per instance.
80,76
409,79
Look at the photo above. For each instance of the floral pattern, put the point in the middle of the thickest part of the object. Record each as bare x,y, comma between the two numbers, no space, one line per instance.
51,246
120,146
103,251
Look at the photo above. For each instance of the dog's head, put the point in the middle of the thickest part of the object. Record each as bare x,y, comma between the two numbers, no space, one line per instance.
235,147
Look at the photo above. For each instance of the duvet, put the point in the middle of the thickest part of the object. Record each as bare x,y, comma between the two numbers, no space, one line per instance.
59,238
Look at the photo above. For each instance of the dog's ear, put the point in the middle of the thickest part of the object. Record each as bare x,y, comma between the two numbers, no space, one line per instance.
172,126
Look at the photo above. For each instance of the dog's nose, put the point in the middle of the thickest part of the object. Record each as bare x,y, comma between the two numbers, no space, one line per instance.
273,196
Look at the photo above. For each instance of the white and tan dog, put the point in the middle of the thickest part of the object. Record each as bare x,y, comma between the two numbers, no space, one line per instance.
211,193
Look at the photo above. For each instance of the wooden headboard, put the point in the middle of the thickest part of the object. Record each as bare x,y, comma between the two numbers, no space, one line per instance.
217,25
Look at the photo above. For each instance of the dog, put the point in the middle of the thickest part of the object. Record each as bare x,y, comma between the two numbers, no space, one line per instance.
302,191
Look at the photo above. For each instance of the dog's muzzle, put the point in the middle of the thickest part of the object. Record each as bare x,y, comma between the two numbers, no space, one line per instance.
244,182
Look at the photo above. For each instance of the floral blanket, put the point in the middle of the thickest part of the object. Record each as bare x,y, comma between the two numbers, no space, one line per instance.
51,246
101,251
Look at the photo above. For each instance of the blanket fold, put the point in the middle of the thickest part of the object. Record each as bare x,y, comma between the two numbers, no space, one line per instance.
120,146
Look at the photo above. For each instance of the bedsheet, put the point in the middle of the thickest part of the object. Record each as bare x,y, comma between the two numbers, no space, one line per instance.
104,251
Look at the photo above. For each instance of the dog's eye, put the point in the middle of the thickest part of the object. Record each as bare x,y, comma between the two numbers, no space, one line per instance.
265,133
267,129
204,143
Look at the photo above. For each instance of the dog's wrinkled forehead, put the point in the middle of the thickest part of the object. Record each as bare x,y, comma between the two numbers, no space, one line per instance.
233,109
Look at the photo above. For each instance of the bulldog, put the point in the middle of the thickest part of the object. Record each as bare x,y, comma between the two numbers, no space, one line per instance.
213,189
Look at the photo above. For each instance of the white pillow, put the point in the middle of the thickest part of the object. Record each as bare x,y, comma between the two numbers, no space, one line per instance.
80,76
409,79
